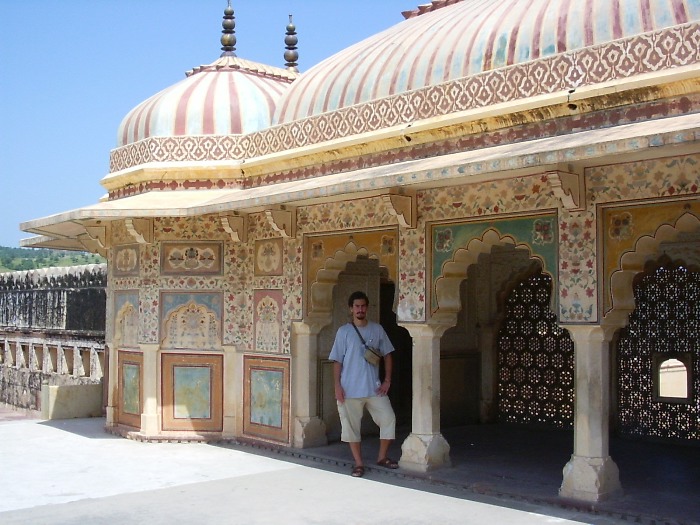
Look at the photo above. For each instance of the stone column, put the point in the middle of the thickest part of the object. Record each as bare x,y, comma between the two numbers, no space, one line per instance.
591,474
112,383
308,430
425,448
151,374
233,391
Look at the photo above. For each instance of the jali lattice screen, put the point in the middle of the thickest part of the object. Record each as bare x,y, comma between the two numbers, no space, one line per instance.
535,359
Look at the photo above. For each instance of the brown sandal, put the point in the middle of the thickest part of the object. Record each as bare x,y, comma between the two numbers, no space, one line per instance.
358,472
388,463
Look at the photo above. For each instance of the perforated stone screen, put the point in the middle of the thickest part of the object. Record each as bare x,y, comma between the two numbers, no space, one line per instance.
665,322
535,359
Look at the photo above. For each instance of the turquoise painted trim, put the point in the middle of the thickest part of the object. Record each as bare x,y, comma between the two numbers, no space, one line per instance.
538,233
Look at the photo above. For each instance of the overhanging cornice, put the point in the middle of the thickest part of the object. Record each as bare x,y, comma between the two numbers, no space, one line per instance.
639,141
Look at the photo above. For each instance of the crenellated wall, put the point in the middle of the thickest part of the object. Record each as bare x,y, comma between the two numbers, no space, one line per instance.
52,324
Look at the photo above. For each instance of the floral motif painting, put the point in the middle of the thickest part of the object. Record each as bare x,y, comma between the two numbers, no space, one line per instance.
267,318
266,398
268,257
126,319
191,320
126,260
191,258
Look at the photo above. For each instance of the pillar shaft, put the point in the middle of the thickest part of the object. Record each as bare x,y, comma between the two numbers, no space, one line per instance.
233,396
591,474
308,428
425,448
112,380
149,417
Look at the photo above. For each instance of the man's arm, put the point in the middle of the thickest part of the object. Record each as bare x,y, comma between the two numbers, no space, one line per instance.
339,393
388,370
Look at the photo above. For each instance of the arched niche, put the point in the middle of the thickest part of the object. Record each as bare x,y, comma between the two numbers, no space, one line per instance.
321,289
646,248
447,285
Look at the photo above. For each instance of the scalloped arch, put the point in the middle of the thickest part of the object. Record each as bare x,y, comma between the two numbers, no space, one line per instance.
632,262
454,271
321,290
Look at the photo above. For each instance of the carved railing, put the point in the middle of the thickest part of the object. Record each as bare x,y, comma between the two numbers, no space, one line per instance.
76,358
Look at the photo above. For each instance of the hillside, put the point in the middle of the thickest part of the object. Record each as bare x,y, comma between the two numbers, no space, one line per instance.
30,258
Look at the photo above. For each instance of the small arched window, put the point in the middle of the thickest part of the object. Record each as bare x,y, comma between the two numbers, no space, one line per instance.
672,378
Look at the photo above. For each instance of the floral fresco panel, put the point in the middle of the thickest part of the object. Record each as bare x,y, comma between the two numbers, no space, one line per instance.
267,319
269,257
126,260
191,258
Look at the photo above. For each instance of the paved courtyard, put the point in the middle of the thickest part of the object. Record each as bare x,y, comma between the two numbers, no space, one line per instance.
73,472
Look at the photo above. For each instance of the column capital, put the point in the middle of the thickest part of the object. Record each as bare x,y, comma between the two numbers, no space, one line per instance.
309,326
430,329
602,333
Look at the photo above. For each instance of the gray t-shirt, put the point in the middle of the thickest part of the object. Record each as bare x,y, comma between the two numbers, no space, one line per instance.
358,378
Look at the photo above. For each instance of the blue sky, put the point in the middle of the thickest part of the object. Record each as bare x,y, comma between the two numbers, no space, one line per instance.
70,70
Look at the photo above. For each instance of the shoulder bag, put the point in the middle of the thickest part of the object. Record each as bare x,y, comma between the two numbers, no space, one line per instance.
371,355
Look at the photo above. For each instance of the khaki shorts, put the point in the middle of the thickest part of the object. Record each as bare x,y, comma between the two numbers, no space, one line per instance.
379,407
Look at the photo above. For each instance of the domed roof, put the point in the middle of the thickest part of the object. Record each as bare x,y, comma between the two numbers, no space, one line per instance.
228,96
448,39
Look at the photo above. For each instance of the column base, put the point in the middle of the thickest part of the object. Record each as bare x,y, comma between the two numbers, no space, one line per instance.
110,416
229,428
149,424
424,452
590,479
309,432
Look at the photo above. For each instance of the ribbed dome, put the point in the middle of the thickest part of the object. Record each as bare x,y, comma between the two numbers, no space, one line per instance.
466,38
229,96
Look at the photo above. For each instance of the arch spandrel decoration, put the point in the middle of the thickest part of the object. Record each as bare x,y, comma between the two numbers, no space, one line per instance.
455,247
191,321
322,271
642,245
125,319
126,326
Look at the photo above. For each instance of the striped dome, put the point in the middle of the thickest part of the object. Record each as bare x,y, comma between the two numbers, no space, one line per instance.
447,40
229,96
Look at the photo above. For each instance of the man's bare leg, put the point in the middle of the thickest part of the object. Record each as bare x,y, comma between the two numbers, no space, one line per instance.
383,448
356,449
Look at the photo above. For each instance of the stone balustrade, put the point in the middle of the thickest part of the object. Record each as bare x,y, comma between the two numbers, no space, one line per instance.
52,324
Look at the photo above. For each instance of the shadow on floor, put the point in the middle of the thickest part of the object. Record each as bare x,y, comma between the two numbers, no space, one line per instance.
661,482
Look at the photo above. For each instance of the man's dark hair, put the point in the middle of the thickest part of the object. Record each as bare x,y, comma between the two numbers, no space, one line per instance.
357,295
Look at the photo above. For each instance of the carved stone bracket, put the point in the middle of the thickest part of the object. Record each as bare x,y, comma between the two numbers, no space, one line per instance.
283,220
99,234
140,229
403,207
95,239
569,188
93,245
236,225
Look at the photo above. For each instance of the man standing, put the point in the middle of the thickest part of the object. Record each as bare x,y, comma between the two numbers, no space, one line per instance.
357,382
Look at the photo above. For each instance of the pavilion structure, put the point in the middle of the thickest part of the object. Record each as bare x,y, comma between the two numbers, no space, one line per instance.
514,183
